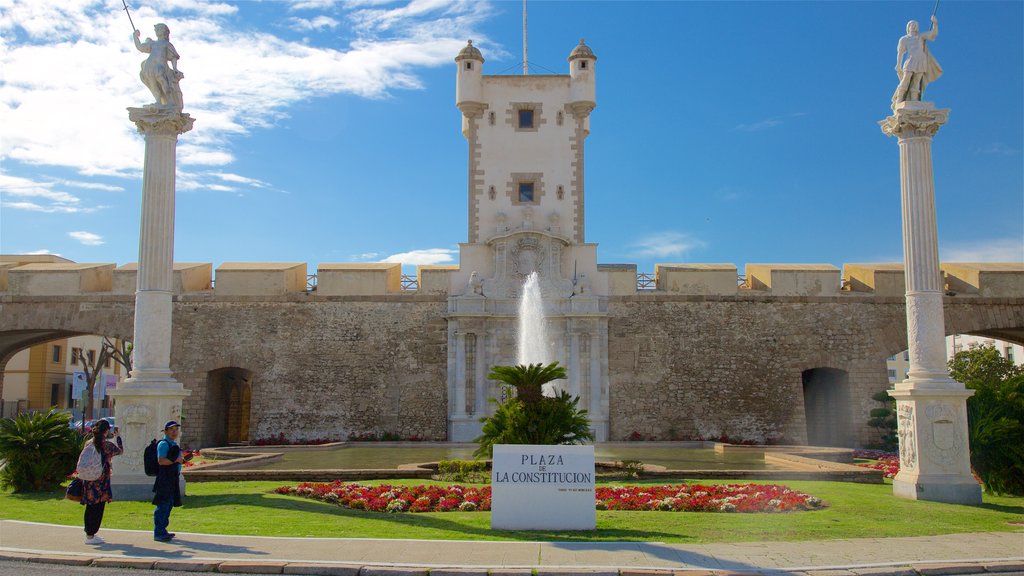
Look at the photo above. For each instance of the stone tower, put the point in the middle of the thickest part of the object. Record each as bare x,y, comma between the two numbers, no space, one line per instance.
525,193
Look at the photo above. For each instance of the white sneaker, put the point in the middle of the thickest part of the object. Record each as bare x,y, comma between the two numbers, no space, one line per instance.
94,539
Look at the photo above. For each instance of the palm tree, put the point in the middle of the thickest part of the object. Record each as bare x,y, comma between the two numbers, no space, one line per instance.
528,380
38,451
530,417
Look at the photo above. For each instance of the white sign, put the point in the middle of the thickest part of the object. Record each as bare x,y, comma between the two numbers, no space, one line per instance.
542,488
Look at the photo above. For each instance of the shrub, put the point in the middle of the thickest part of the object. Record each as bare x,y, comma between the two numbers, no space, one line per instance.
884,420
38,450
462,471
529,417
995,417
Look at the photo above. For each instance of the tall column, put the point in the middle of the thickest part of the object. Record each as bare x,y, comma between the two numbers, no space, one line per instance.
931,407
151,395
574,364
460,375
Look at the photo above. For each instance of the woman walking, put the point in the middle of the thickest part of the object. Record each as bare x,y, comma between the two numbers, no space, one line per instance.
96,493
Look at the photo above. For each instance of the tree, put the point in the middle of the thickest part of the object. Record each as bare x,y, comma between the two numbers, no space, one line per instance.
92,366
529,417
121,352
995,417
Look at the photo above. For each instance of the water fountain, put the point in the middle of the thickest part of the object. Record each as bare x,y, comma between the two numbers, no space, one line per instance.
533,346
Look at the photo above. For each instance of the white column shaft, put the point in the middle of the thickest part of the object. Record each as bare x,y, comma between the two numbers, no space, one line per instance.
460,374
480,400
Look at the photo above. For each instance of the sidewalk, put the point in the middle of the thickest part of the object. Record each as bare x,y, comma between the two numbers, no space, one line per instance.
931,555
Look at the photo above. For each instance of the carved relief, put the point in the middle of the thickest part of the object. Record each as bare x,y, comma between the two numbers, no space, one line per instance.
941,441
905,427
914,123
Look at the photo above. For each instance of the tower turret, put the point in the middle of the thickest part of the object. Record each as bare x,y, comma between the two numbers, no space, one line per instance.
582,93
469,80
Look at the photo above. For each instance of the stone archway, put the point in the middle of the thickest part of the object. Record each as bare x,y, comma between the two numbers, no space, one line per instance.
230,398
826,398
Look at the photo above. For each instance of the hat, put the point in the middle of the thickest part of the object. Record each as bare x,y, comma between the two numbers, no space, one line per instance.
171,424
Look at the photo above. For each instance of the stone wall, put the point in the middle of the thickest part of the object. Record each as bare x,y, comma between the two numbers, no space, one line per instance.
684,367
319,370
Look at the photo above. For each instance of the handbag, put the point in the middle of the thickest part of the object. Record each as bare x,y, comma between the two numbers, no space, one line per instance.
74,492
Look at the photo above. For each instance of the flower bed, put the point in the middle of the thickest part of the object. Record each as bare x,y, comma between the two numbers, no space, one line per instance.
709,498
679,498
887,462
386,498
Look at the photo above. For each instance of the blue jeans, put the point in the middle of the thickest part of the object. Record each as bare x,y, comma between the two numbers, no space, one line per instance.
162,517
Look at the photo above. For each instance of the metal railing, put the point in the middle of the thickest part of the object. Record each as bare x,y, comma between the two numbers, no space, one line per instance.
645,281
410,282
311,283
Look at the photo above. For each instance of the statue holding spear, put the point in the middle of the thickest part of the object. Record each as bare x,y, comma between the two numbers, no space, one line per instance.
919,68
161,79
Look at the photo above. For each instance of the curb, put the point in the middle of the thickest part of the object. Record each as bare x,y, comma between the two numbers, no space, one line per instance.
324,569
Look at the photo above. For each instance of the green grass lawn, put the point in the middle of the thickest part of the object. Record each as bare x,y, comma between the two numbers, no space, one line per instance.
250,508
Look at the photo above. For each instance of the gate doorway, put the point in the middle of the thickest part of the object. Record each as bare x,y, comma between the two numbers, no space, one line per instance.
234,386
826,407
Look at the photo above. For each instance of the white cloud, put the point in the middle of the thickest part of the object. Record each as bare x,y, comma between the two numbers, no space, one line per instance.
998,149
308,24
87,238
665,244
70,69
19,193
996,250
39,252
427,256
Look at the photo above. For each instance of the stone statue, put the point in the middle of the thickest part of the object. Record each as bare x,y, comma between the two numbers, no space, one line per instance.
919,68
581,285
161,80
476,285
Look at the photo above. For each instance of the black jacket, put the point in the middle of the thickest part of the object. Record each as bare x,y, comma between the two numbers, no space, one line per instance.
166,485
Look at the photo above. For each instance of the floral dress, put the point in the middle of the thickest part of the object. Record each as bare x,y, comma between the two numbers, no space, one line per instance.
98,491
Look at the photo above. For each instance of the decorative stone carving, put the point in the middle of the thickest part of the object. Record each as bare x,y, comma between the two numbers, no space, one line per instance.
920,67
914,119
941,440
155,74
517,255
476,285
908,445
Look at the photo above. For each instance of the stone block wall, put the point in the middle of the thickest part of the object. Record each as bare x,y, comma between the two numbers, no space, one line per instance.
323,369
704,367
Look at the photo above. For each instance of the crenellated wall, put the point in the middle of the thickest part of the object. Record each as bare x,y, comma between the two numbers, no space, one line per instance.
699,357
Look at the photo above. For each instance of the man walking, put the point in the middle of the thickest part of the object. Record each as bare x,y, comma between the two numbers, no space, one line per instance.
165,489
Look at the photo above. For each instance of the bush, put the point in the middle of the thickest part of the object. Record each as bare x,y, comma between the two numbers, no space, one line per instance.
529,417
995,417
39,451
462,471
884,420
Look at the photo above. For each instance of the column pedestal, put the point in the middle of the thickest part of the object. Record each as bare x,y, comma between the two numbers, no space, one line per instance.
151,396
931,407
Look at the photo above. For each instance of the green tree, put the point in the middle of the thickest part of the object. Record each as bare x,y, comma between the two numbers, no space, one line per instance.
529,417
995,416
38,451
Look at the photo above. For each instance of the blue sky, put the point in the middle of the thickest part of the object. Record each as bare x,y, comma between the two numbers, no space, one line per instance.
327,132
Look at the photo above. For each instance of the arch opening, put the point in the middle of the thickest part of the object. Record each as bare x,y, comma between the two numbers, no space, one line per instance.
230,403
826,402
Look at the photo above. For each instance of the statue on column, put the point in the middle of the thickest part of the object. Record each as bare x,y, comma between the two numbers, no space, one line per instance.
161,80
919,68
